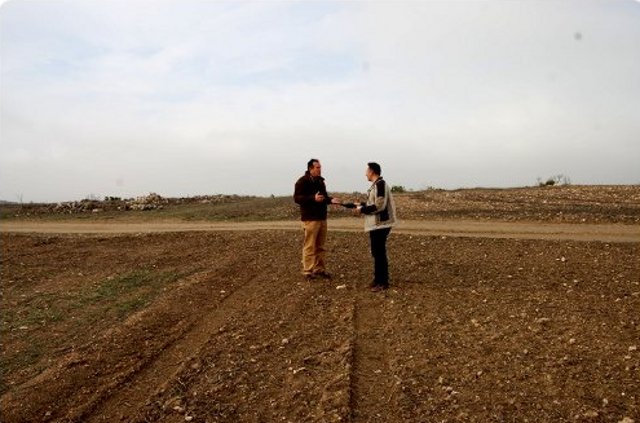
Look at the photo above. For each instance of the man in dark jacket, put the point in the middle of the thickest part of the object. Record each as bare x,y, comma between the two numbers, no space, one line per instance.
311,194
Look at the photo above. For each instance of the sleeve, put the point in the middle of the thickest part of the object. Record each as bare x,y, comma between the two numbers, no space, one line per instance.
380,202
327,198
299,195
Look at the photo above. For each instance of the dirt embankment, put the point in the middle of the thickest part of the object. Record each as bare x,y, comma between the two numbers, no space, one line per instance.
618,204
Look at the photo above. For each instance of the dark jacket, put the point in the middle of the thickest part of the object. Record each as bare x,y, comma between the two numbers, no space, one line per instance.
305,193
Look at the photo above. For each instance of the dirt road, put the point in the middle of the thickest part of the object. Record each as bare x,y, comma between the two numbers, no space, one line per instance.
455,228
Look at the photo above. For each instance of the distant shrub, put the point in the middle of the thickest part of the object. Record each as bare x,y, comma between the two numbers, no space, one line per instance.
554,180
399,189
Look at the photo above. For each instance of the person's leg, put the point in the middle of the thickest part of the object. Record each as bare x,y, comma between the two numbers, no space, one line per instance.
379,252
383,262
309,246
319,265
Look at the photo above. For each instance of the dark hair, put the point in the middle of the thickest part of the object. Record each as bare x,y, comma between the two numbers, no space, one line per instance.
311,163
375,167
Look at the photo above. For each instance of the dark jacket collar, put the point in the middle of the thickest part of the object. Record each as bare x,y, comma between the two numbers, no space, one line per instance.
373,184
307,174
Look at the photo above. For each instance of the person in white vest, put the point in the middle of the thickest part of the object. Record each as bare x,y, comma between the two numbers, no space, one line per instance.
379,217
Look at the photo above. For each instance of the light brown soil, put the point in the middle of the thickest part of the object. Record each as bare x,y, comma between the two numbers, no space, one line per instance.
534,322
465,228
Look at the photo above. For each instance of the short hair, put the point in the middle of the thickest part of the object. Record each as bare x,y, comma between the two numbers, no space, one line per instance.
375,167
311,163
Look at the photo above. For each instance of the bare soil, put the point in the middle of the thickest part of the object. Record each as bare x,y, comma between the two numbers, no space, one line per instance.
490,323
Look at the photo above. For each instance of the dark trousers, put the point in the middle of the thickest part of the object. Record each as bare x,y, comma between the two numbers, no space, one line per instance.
378,239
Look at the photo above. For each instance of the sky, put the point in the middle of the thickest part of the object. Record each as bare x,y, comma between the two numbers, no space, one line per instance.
183,97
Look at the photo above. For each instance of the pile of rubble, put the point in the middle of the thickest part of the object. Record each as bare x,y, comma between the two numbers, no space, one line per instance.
152,201
72,207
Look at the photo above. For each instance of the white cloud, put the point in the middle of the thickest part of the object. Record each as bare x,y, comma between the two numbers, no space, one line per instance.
196,97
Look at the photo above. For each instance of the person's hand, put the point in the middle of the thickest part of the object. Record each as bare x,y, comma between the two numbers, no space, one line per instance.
357,211
336,201
319,197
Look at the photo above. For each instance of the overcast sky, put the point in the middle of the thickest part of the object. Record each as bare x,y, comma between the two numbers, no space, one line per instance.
184,98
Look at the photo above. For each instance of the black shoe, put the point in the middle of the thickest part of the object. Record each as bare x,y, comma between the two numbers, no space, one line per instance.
309,277
378,287
322,275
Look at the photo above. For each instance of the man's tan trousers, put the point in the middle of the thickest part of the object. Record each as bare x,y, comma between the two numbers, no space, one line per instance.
313,251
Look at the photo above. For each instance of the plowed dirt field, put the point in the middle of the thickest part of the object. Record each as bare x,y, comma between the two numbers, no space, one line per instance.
215,324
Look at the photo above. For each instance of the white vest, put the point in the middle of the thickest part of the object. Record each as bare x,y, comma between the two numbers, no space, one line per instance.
385,216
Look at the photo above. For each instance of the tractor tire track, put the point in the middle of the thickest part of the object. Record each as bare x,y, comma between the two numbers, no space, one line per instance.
310,366
373,383
140,386
101,363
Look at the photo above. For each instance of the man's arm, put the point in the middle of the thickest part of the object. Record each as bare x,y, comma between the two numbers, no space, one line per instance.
299,195
378,206
327,198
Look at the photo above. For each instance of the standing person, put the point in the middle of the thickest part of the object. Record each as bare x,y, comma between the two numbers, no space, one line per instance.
380,217
311,194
